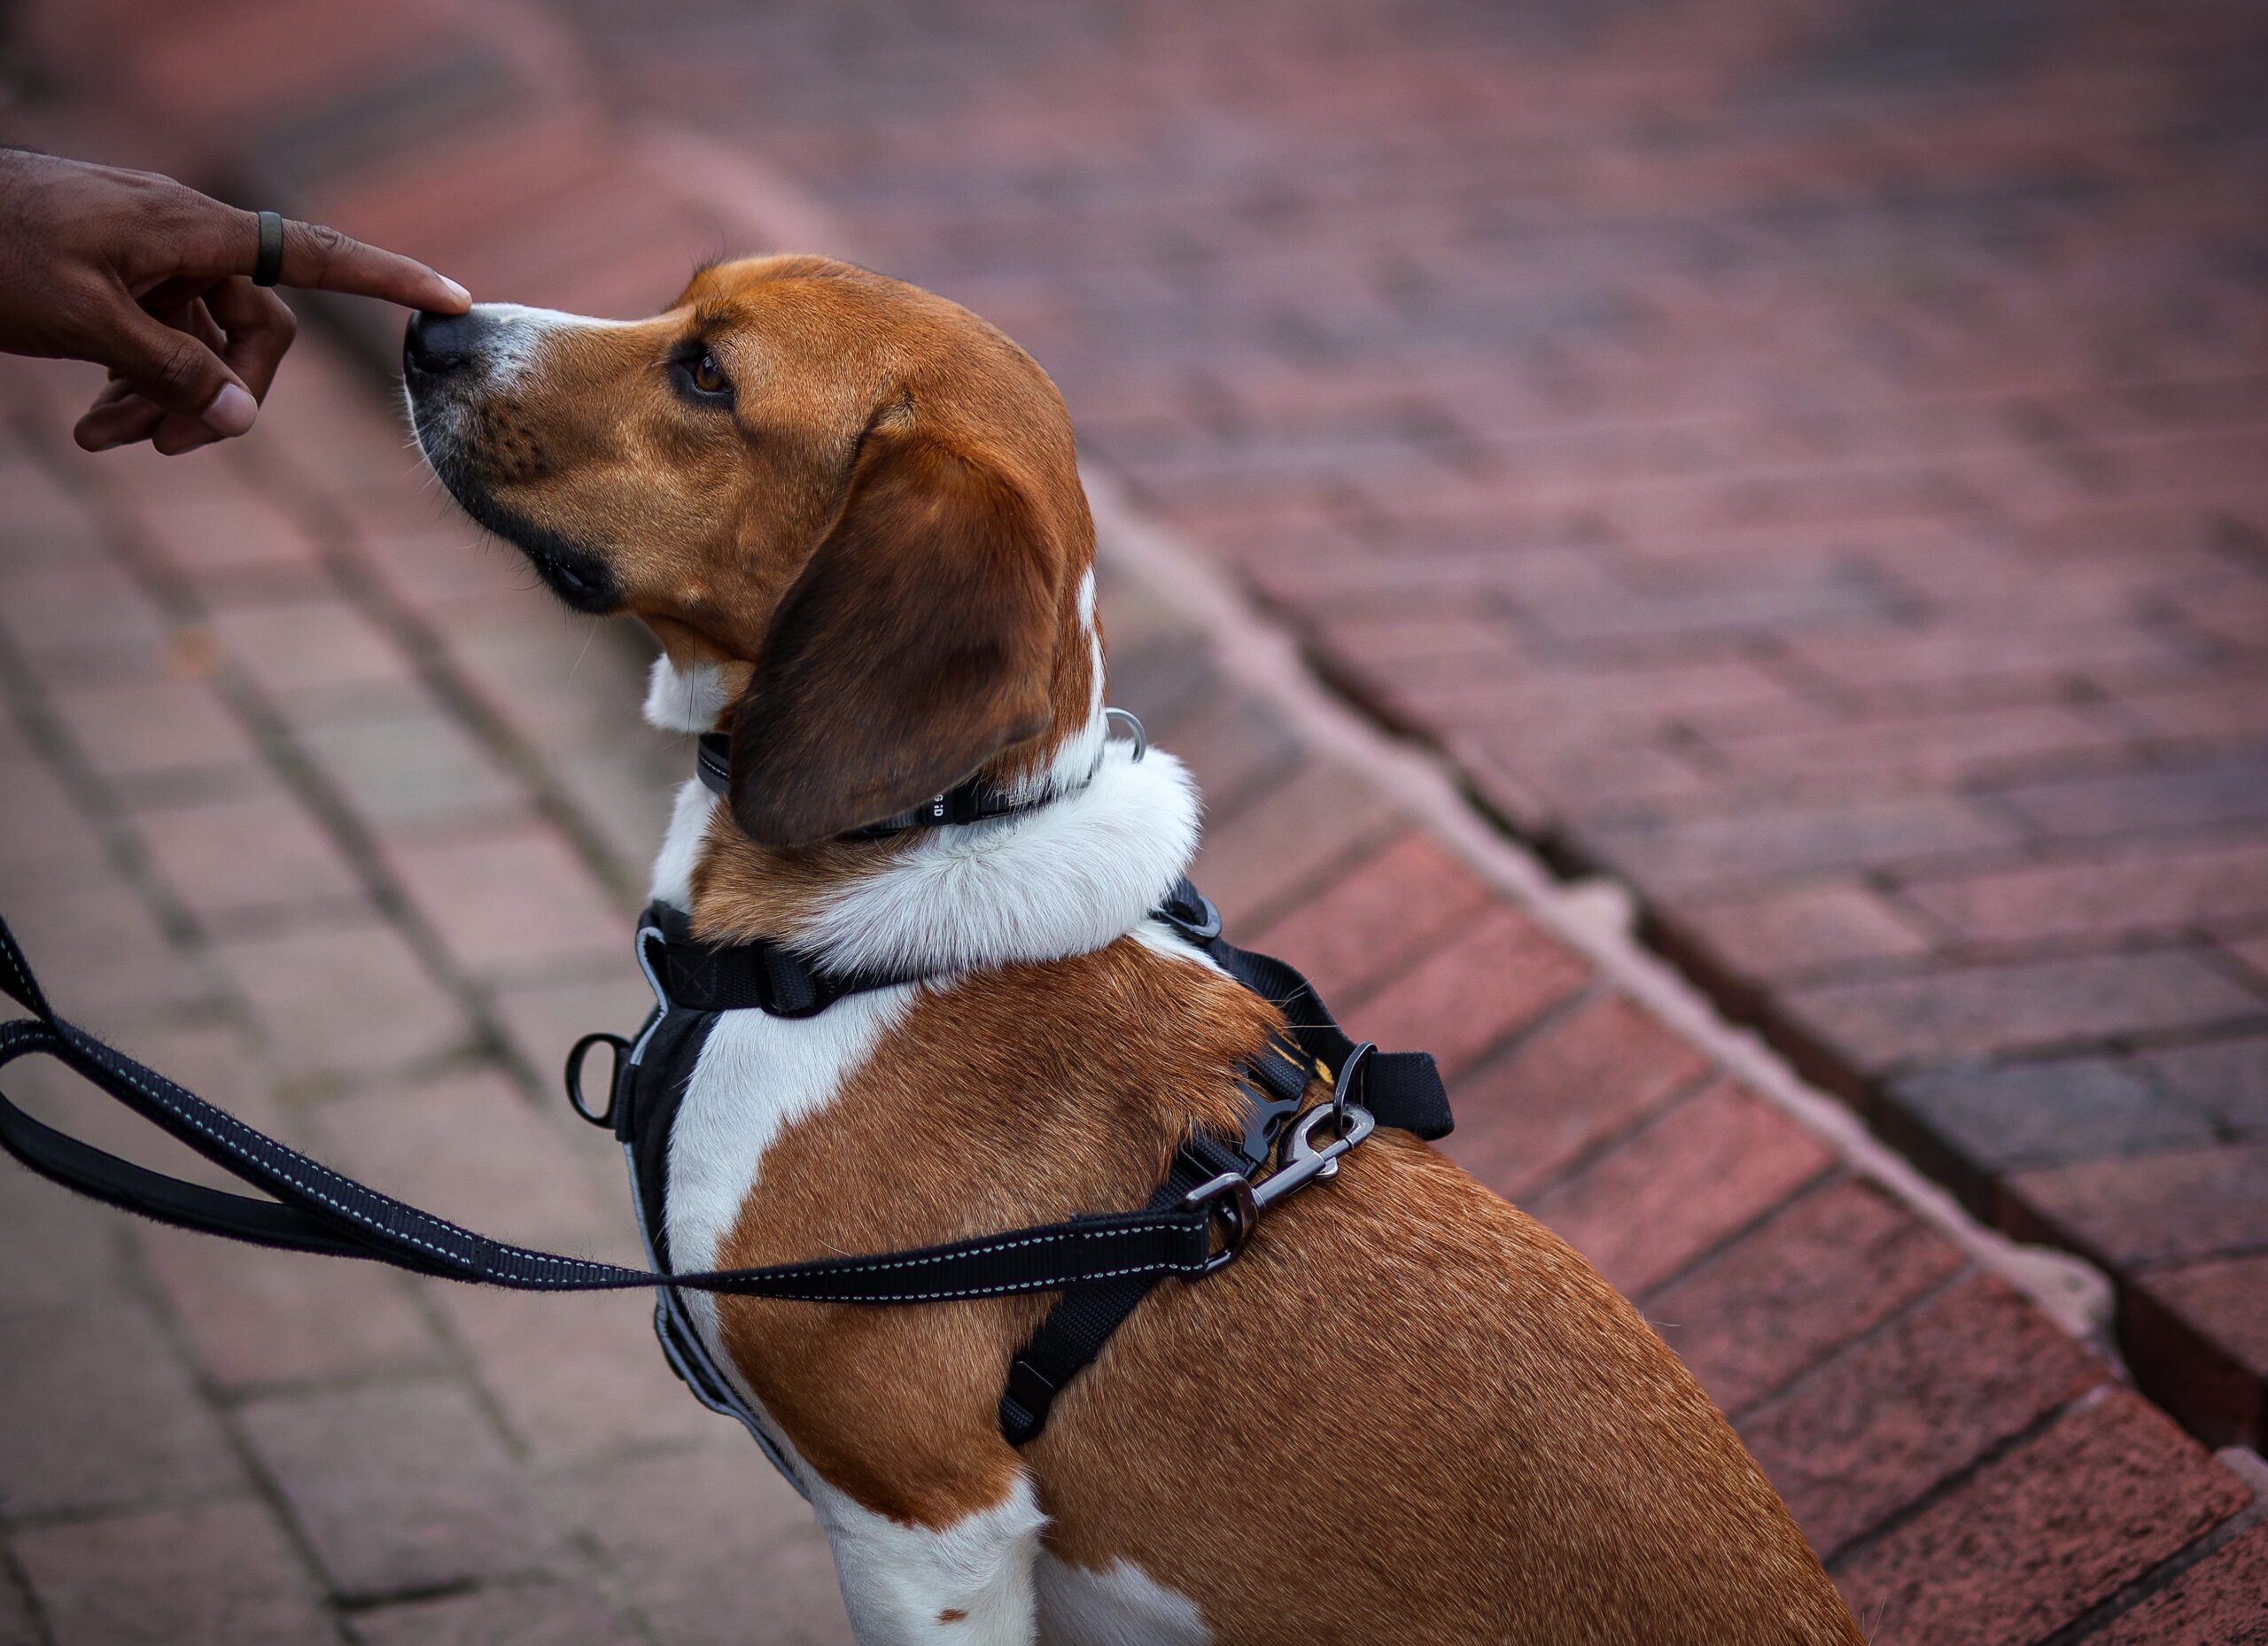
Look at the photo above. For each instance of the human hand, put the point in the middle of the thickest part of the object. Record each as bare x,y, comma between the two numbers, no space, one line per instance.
153,280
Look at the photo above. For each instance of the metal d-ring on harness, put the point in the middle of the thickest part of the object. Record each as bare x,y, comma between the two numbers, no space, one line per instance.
1100,1264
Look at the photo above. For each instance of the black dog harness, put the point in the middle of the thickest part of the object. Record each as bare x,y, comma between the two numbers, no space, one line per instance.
1197,1220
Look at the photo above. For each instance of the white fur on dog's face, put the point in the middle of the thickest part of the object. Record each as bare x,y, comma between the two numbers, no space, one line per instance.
690,699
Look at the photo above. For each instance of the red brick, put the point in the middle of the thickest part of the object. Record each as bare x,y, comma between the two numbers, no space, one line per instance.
62,1248
704,1540
80,620
42,833
234,532
400,1487
1970,652
2196,1335
523,1614
1874,1428
2228,1297
2164,890
2034,1113
1712,1165
1512,766
515,900
96,1411
1934,750
2036,1537
413,769
214,1572
1978,1010
101,955
1527,1116
150,728
1370,921
432,565
2226,1079
1278,849
540,1355
257,1318
2215,791
2184,1203
1498,973
350,999
1802,597
320,646
2221,1601
1785,1295
260,855
2252,956
1775,935
506,1170
1727,851
541,1021
2231,710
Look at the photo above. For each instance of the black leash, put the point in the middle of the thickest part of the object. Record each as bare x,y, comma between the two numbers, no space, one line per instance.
1198,1219
316,1209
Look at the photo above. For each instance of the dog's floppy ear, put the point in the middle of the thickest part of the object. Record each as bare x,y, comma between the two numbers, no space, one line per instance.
914,648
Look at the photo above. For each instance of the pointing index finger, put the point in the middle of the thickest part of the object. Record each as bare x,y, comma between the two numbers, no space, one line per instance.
319,258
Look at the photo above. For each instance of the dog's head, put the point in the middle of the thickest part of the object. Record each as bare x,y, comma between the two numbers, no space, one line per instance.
855,498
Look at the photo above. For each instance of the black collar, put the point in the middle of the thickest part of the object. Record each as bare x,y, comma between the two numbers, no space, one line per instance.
964,802
971,802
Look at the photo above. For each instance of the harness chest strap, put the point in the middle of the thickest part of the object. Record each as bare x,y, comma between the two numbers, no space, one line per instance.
693,982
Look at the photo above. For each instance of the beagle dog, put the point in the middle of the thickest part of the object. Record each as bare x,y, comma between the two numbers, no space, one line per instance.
849,511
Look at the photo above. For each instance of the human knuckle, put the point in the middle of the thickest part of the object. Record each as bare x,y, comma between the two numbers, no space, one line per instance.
181,367
325,241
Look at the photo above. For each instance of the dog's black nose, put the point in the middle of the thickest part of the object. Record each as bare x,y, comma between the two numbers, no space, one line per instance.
439,344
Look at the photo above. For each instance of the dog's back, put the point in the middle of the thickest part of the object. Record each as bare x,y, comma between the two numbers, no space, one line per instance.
1431,1422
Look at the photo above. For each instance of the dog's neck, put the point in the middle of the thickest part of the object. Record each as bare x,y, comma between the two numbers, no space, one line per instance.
1064,879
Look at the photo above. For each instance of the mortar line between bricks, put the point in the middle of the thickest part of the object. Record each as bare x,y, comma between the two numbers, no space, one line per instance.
256,1482
2160,1577
278,746
1818,1183
19,1582
1797,1381
1947,1485
437,668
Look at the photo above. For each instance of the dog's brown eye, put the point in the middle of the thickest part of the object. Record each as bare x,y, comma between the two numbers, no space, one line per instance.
707,378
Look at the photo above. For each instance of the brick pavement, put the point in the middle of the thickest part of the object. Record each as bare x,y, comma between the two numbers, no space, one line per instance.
285,650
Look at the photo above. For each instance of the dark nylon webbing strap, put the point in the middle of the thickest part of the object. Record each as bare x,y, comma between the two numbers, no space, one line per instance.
972,802
759,976
316,1209
1400,1088
1077,1327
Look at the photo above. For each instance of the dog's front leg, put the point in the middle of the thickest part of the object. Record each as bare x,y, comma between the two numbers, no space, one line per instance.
969,1582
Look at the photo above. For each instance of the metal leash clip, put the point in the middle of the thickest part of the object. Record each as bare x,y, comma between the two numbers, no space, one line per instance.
1237,1202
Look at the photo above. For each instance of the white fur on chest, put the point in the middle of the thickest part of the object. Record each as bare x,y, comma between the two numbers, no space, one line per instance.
756,1074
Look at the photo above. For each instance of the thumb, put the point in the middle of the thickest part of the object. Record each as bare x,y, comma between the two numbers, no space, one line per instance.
174,370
